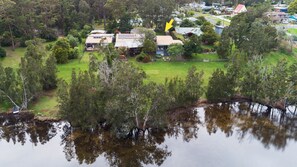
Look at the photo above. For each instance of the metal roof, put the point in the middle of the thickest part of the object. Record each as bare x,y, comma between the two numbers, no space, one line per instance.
129,40
187,30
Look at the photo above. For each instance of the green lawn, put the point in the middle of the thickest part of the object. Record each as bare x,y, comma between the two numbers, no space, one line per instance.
46,105
158,71
210,56
274,57
292,31
13,58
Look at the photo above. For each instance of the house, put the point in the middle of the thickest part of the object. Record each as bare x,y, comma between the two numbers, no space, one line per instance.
163,41
239,9
95,40
133,42
188,31
277,17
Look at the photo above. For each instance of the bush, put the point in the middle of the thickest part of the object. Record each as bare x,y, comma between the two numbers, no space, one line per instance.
190,13
187,23
61,50
75,34
285,47
147,59
140,57
86,30
72,41
74,53
49,46
2,52
149,47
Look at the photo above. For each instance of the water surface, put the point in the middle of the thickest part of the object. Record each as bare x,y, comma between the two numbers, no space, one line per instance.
223,135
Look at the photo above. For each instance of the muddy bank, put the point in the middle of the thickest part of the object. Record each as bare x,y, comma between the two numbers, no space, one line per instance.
7,119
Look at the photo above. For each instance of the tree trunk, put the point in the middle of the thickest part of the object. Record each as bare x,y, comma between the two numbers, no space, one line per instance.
104,19
13,102
11,38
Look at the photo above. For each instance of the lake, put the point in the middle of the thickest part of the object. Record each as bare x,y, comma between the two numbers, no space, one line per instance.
224,135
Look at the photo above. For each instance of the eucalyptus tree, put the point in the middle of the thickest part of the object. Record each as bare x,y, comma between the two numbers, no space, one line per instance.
249,32
155,12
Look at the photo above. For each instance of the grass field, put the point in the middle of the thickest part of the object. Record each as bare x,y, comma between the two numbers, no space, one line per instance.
292,31
13,58
157,71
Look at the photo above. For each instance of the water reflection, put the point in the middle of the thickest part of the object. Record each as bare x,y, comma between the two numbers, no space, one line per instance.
184,122
88,146
271,127
242,121
148,149
17,128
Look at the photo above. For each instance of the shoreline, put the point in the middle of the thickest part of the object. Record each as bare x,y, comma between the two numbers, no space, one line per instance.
29,115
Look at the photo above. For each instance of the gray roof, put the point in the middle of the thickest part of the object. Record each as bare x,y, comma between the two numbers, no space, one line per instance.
129,40
187,30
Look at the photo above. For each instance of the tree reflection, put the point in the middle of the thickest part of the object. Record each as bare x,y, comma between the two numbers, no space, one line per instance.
271,127
22,127
218,116
118,152
184,122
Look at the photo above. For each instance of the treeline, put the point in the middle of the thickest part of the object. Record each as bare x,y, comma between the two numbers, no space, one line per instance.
21,20
114,94
272,85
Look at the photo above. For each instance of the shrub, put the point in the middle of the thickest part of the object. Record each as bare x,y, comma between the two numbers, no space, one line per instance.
74,53
285,47
149,47
75,34
72,41
49,46
147,59
122,51
61,50
86,30
140,57
190,13
187,23
2,52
